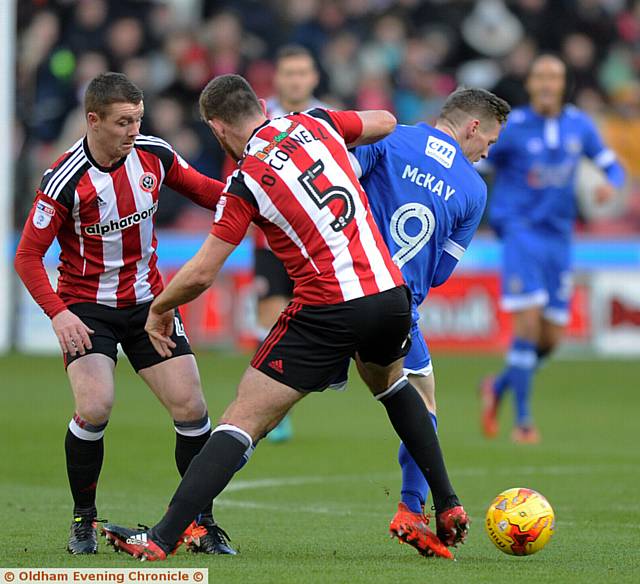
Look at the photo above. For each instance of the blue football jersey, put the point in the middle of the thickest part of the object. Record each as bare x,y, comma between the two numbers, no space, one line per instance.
425,196
535,162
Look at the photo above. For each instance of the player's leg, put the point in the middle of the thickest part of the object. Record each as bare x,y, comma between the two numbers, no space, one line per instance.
385,341
301,354
415,489
409,517
556,314
260,404
419,370
91,380
176,383
522,362
410,521
524,294
274,291
92,385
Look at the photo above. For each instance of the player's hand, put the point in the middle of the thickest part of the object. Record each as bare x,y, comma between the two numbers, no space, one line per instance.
72,333
604,193
159,327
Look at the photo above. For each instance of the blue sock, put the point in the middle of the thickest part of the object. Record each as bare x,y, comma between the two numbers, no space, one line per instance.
501,383
414,486
522,362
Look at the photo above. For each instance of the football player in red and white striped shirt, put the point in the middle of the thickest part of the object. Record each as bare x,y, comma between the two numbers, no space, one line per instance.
99,200
296,183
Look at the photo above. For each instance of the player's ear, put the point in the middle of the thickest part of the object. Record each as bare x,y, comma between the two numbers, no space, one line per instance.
92,119
216,127
472,127
263,105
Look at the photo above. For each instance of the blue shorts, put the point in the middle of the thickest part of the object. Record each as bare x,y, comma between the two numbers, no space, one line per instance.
536,271
418,359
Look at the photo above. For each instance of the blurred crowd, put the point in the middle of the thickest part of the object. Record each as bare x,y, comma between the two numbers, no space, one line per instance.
401,55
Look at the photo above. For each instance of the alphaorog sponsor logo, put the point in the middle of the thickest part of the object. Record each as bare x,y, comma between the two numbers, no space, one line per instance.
119,224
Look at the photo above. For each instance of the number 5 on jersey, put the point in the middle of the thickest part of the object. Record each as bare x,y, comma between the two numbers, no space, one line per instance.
323,198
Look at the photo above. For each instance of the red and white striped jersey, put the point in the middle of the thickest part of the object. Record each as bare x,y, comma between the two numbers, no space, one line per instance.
276,110
104,221
297,184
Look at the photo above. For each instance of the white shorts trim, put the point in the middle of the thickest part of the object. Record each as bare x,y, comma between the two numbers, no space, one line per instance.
559,316
424,372
513,303
340,386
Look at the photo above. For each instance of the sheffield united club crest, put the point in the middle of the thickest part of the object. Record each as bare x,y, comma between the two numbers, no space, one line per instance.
148,182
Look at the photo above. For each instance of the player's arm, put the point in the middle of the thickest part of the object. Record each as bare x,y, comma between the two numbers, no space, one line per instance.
45,219
457,243
232,219
364,158
446,264
358,128
181,176
606,160
187,181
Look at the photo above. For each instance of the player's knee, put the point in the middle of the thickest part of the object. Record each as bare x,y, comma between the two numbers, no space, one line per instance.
192,408
96,412
544,349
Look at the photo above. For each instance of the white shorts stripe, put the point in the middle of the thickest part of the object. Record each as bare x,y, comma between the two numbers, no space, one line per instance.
512,303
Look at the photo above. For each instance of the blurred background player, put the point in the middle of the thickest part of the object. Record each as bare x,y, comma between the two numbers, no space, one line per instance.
428,200
295,79
533,210
296,182
99,200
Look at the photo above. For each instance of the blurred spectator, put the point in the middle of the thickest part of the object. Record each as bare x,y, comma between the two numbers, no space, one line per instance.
515,67
579,53
405,55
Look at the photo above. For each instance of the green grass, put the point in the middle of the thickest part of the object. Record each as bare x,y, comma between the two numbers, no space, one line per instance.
324,515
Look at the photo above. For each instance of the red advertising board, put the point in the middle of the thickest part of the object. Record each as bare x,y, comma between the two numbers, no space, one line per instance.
462,315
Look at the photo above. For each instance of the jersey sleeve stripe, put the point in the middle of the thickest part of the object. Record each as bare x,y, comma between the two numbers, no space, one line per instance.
237,186
59,174
322,115
56,191
605,158
153,140
454,249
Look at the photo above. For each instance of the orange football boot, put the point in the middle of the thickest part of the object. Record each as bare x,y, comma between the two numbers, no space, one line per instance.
411,528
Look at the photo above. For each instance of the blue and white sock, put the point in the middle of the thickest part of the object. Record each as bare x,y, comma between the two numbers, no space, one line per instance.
522,362
414,486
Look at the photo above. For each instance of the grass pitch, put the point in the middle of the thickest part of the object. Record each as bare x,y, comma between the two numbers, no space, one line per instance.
317,509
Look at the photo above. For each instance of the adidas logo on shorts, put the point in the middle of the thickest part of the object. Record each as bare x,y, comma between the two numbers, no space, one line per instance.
276,365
